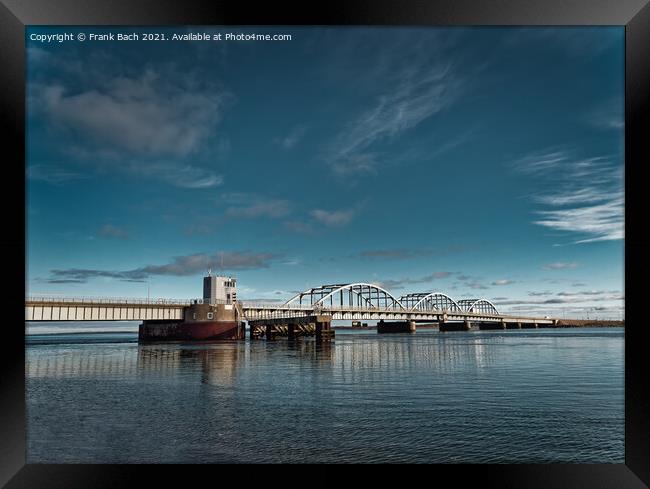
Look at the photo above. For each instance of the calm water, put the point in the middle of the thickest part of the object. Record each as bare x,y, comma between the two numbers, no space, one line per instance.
476,397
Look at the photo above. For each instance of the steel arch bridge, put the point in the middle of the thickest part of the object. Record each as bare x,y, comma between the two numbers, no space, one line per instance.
478,306
347,295
353,301
370,296
428,301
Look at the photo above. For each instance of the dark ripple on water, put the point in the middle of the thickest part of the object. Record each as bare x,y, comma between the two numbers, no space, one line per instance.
478,397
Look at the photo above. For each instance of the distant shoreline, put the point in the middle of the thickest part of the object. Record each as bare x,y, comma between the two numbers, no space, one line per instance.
590,323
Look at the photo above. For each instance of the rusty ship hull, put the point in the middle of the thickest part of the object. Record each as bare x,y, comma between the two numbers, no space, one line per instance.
202,322
191,331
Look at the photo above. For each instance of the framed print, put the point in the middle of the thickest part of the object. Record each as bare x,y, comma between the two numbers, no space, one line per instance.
357,234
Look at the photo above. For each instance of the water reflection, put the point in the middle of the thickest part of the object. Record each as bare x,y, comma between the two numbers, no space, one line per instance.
363,397
209,364
217,363
81,362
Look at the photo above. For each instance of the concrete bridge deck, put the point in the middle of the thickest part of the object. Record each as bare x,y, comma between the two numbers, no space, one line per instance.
117,309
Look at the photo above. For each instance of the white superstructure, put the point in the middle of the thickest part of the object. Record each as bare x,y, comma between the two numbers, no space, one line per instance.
219,289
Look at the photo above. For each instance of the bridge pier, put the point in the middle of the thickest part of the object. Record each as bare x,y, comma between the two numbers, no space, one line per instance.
324,331
396,326
316,325
269,332
487,325
444,326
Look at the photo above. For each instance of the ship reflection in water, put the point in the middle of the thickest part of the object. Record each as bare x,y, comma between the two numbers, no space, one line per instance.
518,396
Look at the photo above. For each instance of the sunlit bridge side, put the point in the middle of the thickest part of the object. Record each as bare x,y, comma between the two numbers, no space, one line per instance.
347,295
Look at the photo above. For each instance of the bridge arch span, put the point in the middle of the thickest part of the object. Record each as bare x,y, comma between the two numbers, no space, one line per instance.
430,301
360,294
478,306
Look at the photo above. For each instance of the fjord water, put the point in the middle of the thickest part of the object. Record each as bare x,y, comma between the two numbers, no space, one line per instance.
524,396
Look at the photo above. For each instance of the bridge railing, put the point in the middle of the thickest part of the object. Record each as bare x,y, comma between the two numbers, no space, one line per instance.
325,308
111,300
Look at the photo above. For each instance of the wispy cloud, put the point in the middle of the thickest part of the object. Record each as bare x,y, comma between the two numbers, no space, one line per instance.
560,266
465,281
503,282
582,195
53,174
476,285
292,138
602,222
541,162
333,218
179,175
185,265
610,114
567,298
395,254
414,89
273,208
400,283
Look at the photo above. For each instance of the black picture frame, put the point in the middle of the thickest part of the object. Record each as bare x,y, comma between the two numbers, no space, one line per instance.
633,14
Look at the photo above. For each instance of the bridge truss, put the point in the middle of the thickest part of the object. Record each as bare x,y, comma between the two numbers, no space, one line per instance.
430,301
354,295
478,306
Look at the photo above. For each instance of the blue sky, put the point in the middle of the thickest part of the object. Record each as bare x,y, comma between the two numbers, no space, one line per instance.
480,162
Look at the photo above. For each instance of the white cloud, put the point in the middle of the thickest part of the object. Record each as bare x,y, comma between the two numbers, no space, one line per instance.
53,174
540,162
601,222
502,282
179,175
560,266
584,195
333,218
416,86
293,138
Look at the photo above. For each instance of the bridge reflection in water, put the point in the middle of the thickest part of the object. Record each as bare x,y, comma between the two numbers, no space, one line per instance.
218,363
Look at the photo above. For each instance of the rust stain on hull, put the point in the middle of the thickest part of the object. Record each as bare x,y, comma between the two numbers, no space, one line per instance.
191,331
